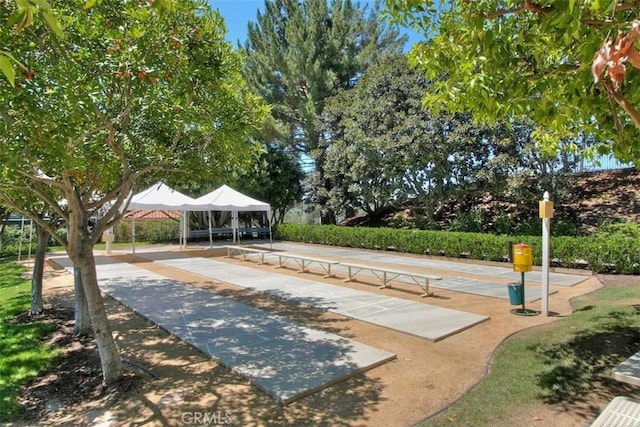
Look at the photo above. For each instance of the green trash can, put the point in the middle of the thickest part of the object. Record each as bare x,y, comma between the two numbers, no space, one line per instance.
515,293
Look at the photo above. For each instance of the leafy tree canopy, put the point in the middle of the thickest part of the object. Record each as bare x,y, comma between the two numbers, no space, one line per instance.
568,65
386,150
129,94
132,92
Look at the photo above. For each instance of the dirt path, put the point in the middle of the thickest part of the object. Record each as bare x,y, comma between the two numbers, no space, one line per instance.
190,387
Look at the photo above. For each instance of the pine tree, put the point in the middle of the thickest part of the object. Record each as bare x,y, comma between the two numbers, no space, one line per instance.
300,53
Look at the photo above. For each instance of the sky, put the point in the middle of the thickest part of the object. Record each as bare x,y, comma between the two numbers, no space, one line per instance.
237,13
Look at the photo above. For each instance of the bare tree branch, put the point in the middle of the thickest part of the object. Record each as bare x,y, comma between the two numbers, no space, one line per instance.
622,101
620,7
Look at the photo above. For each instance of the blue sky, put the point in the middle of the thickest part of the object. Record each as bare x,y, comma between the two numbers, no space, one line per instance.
237,13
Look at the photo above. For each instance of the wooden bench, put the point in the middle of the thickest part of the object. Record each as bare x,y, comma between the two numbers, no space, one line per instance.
304,261
621,411
387,274
245,252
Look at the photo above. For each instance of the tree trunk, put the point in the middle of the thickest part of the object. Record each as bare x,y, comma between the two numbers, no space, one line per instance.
349,212
80,249
37,304
82,324
328,217
109,356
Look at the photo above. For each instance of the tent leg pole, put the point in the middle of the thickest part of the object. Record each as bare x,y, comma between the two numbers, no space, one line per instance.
210,236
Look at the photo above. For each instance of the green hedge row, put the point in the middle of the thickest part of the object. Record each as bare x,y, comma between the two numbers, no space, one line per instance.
613,253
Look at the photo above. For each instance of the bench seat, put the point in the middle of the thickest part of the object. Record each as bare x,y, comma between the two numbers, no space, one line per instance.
245,252
387,274
621,411
304,261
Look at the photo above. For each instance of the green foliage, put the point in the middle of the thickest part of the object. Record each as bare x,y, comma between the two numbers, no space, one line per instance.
619,229
300,53
275,177
22,17
562,227
425,222
130,94
152,231
503,223
163,230
614,253
503,62
386,149
22,354
471,222
15,240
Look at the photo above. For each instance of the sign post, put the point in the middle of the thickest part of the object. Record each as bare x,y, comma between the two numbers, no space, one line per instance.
546,213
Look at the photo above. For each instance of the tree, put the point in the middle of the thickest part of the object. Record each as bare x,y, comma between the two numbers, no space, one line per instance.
300,53
4,215
386,150
505,59
128,96
275,177
31,207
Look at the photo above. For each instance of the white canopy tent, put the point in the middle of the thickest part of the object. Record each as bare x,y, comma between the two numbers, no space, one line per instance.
225,198
158,197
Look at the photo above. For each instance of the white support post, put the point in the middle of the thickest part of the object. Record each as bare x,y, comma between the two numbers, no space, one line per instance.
133,233
30,240
546,213
210,235
20,239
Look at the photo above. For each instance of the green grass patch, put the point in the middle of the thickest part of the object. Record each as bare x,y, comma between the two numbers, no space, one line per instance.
22,354
559,363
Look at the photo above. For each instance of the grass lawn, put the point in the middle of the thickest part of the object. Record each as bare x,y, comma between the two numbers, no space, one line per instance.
22,354
559,364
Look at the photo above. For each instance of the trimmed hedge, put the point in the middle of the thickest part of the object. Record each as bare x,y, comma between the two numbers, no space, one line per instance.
613,253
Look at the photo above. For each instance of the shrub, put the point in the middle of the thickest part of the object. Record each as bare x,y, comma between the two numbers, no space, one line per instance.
15,240
162,230
469,222
620,229
617,251
503,224
153,231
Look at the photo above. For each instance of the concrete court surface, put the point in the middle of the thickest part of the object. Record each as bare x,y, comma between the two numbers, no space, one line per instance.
477,278
423,320
286,359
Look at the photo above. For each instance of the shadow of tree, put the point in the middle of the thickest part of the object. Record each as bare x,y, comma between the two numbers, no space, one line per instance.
583,364
191,384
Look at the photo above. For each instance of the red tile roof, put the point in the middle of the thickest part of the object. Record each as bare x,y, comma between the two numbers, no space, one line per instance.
153,215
